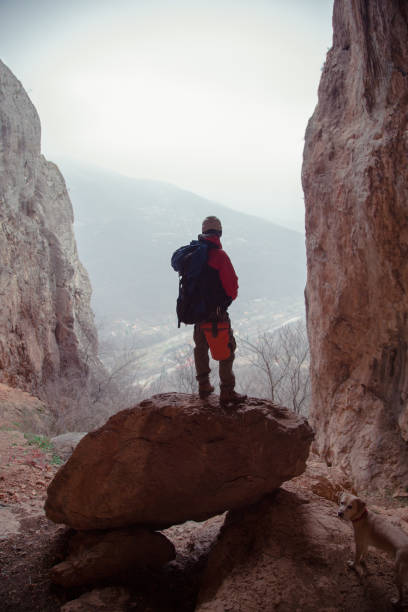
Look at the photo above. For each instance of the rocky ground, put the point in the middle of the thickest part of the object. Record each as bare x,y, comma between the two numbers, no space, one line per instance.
30,545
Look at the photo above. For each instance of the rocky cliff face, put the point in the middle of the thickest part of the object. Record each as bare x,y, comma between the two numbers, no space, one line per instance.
355,178
47,334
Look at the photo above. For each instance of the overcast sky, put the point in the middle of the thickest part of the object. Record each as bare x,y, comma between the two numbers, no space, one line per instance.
211,95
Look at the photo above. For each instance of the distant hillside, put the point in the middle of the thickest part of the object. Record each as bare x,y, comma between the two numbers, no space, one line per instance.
127,229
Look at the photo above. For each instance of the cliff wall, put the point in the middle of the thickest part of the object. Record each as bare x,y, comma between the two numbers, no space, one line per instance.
355,179
47,335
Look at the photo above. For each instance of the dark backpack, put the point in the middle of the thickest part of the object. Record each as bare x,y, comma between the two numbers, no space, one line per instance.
190,262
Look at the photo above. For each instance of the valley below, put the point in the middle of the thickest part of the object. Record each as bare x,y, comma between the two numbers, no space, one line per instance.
156,346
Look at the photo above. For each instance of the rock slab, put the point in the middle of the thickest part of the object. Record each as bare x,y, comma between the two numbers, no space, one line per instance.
355,177
175,458
95,555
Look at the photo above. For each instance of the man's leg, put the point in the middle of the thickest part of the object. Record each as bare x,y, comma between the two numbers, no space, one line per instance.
227,378
202,362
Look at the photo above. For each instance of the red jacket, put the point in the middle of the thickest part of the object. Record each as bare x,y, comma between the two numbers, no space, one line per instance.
219,260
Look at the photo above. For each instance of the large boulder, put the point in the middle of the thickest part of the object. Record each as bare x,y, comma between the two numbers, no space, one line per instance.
173,458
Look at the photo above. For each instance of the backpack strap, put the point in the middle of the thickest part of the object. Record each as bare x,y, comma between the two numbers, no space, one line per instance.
178,318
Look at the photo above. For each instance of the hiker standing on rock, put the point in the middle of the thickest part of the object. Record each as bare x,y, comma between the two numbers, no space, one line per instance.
208,285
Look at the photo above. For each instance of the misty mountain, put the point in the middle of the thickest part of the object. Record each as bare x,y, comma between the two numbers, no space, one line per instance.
127,230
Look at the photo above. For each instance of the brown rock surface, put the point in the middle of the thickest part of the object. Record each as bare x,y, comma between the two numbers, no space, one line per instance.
96,555
23,412
288,553
175,458
326,482
47,333
355,179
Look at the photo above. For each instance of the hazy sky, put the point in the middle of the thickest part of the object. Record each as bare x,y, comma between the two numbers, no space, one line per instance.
211,95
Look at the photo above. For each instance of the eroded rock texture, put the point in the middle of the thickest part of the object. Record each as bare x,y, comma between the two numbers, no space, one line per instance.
175,458
355,179
47,334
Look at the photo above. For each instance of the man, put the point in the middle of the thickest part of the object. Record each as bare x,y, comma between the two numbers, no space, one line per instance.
221,287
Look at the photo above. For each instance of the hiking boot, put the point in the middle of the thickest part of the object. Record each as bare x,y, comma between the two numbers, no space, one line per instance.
231,397
205,389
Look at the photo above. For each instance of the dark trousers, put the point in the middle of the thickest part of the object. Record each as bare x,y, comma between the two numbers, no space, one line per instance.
202,360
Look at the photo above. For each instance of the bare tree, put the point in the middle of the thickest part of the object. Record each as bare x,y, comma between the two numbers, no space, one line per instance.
122,359
184,373
295,387
283,359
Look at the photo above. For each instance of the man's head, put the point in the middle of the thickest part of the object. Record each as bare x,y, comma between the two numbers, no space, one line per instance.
212,225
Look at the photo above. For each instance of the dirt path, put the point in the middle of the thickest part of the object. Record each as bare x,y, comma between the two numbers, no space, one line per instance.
28,541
